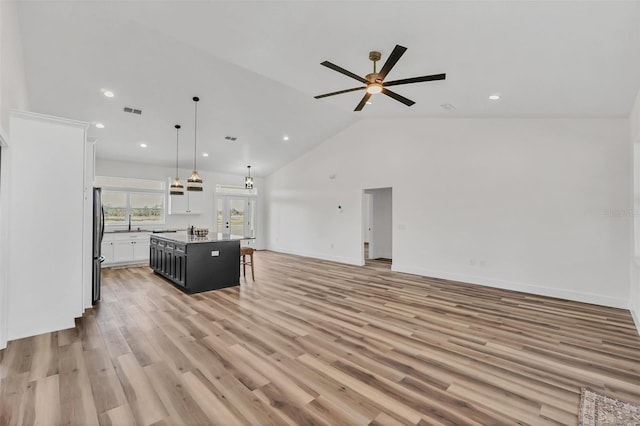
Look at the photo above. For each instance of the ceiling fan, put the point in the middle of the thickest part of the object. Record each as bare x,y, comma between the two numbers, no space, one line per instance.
374,82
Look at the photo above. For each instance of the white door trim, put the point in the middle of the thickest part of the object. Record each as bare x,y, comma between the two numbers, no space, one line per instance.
4,238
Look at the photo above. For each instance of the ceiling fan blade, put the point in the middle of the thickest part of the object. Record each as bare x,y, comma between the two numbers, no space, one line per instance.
340,92
363,102
398,51
416,80
400,98
343,71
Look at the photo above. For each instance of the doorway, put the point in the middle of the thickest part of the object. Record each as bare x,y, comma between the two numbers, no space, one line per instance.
377,232
235,214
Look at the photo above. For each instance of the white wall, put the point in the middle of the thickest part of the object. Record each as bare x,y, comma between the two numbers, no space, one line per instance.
634,298
634,120
13,94
13,85
46,213
534,205
87,225
381,245
210,179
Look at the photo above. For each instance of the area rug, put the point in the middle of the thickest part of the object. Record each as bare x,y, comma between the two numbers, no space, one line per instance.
599,410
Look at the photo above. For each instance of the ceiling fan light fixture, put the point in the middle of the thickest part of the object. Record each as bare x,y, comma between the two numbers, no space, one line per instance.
375,83
374,88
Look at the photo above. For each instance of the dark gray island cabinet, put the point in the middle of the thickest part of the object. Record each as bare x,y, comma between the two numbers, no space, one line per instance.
196,264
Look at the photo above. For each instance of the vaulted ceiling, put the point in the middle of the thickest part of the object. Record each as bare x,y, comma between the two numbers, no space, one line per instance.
256,67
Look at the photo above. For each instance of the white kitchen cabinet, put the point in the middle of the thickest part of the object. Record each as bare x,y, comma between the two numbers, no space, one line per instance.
196,202
189,203
178,204
125,248
107,251
122,251
141,250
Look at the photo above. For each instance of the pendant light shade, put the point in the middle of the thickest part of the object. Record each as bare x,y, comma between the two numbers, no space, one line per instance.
176,187
194,183
248,180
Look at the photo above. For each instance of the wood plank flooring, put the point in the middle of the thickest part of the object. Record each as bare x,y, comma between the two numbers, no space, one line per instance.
379,263
315,342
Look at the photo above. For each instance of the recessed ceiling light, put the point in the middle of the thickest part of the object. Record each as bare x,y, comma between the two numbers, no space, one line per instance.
205,154
494,97
108,93
143,145
285,138
100,125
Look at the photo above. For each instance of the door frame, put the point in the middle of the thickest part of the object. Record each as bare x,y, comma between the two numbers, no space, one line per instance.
367,218
367,208
5,175
226,198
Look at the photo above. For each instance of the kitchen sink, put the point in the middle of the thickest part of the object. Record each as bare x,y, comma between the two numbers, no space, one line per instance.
155,231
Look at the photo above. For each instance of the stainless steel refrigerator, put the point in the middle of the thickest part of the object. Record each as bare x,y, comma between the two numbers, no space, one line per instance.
98,233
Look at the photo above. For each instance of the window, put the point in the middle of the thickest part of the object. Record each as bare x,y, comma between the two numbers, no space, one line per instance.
141,201
146,208
115,206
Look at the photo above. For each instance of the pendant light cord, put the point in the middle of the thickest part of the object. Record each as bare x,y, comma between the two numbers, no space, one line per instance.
195,137
177,130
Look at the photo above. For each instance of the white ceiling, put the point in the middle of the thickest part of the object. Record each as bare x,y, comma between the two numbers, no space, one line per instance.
256,67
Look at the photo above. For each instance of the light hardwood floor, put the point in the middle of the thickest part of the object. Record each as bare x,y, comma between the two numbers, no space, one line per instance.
380,263
314,342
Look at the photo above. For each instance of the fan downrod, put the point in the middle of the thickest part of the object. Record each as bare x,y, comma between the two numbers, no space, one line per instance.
375,57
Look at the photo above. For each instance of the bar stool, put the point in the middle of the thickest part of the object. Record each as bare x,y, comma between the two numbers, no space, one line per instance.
244,252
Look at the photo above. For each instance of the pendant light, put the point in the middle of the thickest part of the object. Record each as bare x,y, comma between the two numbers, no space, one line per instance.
176,186
248,180
194,183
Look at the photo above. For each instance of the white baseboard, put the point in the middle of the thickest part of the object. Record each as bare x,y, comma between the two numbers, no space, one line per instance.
636,319
321,256
49,328
595,299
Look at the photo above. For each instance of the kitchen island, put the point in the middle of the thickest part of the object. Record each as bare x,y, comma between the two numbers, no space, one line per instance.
196,264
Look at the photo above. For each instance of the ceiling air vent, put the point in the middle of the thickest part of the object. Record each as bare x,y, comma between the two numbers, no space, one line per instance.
230,138
133,110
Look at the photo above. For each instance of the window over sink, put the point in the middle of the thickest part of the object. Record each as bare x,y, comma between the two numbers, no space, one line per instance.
141,201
